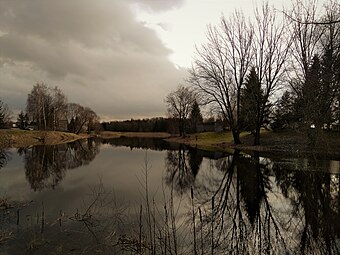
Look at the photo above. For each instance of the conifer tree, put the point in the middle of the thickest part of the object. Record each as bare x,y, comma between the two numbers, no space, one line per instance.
252,100
195,116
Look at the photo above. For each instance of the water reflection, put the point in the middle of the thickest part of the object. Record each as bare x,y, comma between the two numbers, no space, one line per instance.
315,198
252,206
140,143
45,166
182,167
3,158
242,204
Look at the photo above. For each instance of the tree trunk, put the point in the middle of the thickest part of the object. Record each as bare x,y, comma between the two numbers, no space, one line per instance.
257,135
259,121
236,136
44,115
81,126
181,127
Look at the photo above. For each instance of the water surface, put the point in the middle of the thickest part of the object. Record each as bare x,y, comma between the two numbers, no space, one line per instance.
128,195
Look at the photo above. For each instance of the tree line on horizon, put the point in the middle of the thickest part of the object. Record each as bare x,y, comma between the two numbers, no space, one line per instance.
246,64
158,124
47,108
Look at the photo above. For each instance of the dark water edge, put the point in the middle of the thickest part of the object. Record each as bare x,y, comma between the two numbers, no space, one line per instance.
166,199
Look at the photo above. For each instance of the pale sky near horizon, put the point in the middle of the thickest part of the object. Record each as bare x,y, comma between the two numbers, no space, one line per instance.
119,57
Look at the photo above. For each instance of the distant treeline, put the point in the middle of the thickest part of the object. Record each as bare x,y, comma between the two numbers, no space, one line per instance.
142,125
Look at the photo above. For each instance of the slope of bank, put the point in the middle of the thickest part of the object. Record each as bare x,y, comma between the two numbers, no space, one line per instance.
295,143
16,138
288,143
211,141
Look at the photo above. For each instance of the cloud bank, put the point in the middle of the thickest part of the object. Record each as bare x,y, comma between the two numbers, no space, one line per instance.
95,51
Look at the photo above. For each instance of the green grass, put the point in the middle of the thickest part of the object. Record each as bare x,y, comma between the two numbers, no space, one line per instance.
218,137
215,137
212,141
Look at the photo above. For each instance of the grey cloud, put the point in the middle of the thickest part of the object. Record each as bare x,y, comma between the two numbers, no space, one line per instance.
95,51
160,5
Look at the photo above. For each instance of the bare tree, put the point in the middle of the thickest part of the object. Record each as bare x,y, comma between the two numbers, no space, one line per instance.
271,46
179,104
5,114
220,67
310,37
46,106
316,63
311,19
306,39
59,106
89,118
38,102
80,118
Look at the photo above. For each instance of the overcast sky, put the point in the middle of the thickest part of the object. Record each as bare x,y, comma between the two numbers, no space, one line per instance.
119,57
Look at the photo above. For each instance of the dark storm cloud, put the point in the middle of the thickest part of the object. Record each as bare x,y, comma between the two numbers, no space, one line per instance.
95,51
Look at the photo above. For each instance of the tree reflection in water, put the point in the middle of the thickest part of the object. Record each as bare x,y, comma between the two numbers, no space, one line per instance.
315,200
181,168
259,207
3,158
46,165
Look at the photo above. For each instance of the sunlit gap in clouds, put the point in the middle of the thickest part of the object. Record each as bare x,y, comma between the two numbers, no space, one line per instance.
182,28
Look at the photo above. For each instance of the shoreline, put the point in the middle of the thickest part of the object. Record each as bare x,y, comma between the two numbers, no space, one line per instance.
283,143
16,138
279,144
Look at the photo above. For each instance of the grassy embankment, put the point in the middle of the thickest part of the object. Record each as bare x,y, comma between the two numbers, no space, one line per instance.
220,141
284,142
288,142
16,138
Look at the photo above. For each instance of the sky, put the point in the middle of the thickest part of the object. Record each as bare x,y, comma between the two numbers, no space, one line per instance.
119,57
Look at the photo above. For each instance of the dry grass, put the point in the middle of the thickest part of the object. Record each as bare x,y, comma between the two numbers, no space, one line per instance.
5,237
23,138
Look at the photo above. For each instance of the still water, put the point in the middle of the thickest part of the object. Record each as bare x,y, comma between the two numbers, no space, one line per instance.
145,196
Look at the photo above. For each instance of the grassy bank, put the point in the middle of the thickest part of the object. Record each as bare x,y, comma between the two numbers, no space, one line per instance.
17,138
207,141
295,142
283,142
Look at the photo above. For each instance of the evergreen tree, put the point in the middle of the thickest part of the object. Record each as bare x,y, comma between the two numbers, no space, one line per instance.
252,100
311,101
285,113
195,116
22,120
